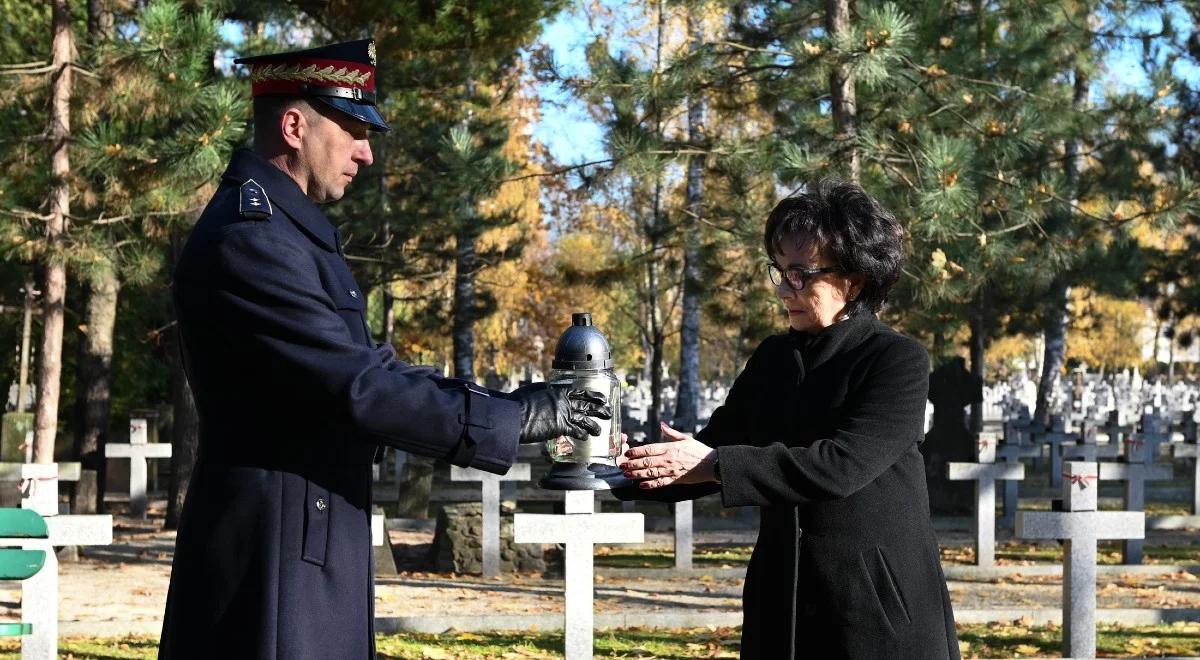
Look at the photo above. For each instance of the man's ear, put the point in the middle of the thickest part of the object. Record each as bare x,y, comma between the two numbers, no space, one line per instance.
292,126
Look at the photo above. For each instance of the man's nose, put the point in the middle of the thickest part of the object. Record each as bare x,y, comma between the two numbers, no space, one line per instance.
362,153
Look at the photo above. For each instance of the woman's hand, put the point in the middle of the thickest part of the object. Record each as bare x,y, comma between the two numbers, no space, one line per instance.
681,460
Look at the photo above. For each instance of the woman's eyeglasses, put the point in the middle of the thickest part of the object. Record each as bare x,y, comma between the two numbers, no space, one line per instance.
797,278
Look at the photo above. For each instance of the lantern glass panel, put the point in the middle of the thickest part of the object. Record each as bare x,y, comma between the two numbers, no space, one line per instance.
595,449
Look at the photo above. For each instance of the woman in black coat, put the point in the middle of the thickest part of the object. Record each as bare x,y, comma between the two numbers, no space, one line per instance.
821,431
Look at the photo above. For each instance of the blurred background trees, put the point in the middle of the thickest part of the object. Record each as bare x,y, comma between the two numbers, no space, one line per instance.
1039,154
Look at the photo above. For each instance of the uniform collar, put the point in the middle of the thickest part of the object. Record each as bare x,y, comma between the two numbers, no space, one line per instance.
284,193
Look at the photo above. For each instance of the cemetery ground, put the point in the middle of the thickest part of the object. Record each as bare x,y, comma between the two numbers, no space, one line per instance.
112,598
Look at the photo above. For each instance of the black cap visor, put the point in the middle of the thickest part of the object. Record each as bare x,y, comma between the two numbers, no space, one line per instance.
364,112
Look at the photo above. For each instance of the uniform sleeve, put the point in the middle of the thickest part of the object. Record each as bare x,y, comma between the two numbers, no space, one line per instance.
879,422
267,288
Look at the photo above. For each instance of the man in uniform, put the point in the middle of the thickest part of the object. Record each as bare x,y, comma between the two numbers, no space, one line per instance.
273,557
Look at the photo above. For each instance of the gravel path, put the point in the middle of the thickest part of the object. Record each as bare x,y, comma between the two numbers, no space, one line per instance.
127,582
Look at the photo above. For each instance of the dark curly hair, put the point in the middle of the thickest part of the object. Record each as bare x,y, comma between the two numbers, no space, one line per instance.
852,227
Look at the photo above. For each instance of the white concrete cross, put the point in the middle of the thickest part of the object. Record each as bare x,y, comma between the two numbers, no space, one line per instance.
137,451
683,534
490,485
1135,469
39,489
1192,451
985,473
39,594
1080,525
580,528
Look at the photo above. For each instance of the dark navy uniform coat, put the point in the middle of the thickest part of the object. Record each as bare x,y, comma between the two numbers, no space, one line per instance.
273,557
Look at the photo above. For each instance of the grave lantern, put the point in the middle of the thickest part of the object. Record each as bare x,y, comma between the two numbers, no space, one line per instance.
583,360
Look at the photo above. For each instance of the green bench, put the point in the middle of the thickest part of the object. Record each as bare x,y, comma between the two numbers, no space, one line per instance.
17,564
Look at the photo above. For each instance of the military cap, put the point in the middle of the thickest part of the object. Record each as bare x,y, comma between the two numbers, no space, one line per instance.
342,76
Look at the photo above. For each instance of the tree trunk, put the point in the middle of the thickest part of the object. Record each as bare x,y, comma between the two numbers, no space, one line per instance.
389,300
1054,332
185,429
26,334
185,432
464,304
687,401
978,370
55,289
841,89
1054,327
93,396
100,20
465,264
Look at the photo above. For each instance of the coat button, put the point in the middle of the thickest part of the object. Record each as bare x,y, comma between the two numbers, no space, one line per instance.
353,293
322,504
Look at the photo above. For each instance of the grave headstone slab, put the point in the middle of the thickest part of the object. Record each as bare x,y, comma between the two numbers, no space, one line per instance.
490,487
1079,526
579,528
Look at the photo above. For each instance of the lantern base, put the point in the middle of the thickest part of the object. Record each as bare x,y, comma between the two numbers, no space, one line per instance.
577,476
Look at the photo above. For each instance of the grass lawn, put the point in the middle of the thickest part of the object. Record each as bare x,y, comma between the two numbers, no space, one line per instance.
997,640
1108,552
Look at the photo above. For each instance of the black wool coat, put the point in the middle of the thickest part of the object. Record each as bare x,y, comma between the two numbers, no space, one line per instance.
273,557
821,432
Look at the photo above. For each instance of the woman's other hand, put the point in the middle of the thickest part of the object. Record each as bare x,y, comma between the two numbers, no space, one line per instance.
682,459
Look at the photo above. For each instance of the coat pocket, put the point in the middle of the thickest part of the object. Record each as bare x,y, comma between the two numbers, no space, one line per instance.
352,308
316,523
887,590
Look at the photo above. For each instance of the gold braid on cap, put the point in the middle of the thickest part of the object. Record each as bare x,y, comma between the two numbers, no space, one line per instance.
309,73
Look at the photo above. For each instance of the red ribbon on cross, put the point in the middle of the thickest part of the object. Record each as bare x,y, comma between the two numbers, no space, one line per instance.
1080,480
1136,442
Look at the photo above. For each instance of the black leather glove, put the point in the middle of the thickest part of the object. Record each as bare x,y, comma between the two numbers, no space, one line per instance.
549,411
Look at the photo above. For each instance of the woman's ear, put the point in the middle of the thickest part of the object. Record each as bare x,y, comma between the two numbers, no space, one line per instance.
857,282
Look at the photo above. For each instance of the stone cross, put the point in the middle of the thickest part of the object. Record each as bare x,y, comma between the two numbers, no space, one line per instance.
1080,525
490,485
39,484
39,594
683,534
1135,469
1189,450
1012,455
985,473
580,528
137,451
1154,433
1087,449
1055,437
